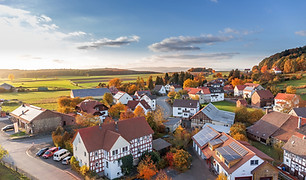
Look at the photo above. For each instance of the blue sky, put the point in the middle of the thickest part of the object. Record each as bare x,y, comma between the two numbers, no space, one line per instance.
156,35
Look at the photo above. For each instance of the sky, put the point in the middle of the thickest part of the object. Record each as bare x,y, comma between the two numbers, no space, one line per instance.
158,35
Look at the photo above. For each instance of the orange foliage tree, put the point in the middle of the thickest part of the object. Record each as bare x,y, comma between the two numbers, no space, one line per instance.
264,69
146,168
221,176
126,114
116,110
236,81
115,82
182,160
240,137
219,75
139,111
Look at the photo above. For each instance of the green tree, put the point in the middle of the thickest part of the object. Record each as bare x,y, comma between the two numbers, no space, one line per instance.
150,83
127,164
241,114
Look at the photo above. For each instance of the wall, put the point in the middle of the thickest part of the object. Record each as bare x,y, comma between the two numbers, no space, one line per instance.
246,168
45,122
78,151
266,170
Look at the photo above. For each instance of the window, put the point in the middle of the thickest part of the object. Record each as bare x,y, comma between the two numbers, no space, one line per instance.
118,163
179,108
97,164
96,153
76,148
218,154
84,153
254,162
106,164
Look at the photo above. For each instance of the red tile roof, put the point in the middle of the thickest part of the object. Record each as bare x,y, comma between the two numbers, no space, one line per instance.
252,84
89,106
132,104
276,69
285,96
99,137
240,87
242,101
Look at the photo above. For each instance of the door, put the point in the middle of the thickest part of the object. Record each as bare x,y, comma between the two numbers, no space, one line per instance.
244,178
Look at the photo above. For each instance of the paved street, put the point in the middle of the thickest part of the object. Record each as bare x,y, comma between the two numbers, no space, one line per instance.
34,166
161,101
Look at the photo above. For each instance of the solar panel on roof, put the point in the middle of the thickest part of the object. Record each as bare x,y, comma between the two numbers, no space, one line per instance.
223,138
228,153
238,149
205,135
215,142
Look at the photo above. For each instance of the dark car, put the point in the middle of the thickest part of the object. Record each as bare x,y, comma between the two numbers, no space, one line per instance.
8,127
41,151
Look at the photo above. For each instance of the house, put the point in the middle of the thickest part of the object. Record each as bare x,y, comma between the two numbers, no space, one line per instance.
211,114
256,86
241,103
248,92
226,155
175,88
265,171
295,156
160,89
247,71
284,102
262,98
36,120
276,70
238,90
202,94
228,89
92,107
7,87
96,93
172,123
300,112
275,127
101,147
219,128
216,94
141,93
122,97
185,108
113,90
143,104
150,99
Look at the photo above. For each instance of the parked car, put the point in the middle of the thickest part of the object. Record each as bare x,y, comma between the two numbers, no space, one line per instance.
41,151
8,127
50,152
66,160
61,154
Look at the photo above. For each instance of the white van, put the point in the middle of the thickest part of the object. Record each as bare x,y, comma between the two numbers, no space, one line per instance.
61,154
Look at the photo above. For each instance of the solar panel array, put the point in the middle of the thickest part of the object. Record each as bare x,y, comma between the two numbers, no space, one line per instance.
205,135
223,138
238,149
215,142
228,153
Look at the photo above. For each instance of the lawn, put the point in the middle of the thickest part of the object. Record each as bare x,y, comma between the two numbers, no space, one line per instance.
9,174
295,83
226,106
269,150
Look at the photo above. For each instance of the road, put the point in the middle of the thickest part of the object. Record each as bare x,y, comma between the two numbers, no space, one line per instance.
18,156
161,101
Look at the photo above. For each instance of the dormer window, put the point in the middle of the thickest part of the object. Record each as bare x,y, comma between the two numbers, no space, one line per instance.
254,162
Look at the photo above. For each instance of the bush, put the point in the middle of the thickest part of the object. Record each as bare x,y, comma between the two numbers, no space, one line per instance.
182,160
154,156
84,170
74,164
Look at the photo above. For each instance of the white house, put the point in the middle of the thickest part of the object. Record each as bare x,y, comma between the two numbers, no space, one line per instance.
225,154
185,108
238,90
295,156
150,99
211,114
101,147
202,94
216,94
167,87
175,88
160,89
143,104
122,97
284,102
276,70
248,91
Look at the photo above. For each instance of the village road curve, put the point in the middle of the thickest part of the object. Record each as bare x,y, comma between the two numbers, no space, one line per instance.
161,101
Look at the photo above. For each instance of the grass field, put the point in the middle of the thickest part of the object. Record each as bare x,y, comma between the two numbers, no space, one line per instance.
226,106
269,150
295,83
9,174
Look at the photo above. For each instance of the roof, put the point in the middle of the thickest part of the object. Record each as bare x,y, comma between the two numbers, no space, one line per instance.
132,104
216,89
296,146
104,136
228,87
158,87
194,91
215,114
205,135
140,93
176,86
119,94
242,101
300,111
27,112
276,69
264,94
89,106
171,121
256,151
187,103
90,92
285,96
252,84
240,87
159,144
219,128
6,86
113,89
249,88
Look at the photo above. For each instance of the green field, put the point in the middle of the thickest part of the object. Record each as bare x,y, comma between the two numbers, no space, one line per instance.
48,99
295,83
9,174
226,106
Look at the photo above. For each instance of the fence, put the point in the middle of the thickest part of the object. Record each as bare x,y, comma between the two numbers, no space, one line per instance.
20,171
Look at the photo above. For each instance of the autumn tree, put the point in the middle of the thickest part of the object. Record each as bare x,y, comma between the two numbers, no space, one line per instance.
171,94
219,75
150,120
84,170
181,137
255,115
139,111
162,175
264,69
11,77
241,114
240,137
132,89
190,83
158,116
182,160
236,81
67,104
140,83
108,99
238,128
115,110
116,82
290,90
146,168
87,120
221,176
150,83
3,152
126,114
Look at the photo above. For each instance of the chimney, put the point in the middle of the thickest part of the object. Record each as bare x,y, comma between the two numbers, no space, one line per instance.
116,126
299,122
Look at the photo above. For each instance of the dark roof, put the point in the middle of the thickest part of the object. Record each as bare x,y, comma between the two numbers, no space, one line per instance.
90,92
300,111
264,94
140,93
104,136
159,144
113,89
89,106
6,86
296,146
242,101
185,103
132,104
216,89
228,153
158,87
240,87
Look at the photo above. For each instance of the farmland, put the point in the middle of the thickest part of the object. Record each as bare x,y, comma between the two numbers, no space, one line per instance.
296,83
57,86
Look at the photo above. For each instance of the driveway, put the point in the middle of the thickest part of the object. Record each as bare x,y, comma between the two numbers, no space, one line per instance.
19,157
161,101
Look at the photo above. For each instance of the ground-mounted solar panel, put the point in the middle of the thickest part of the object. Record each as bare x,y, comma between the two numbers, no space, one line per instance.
223,138
228,153
205,135
238,149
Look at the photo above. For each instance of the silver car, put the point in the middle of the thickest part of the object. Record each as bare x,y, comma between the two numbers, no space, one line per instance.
66,160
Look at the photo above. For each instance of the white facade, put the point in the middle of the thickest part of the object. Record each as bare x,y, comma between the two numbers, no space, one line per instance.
280,104
122,97
80,152
248,94
216,97
185,112
162,90
237,92
144,109
167,87
151,102
295,162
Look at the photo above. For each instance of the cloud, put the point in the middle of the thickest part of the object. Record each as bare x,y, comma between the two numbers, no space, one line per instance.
124,40
301,33
58,60
199,56
186,43
229,30
77,33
